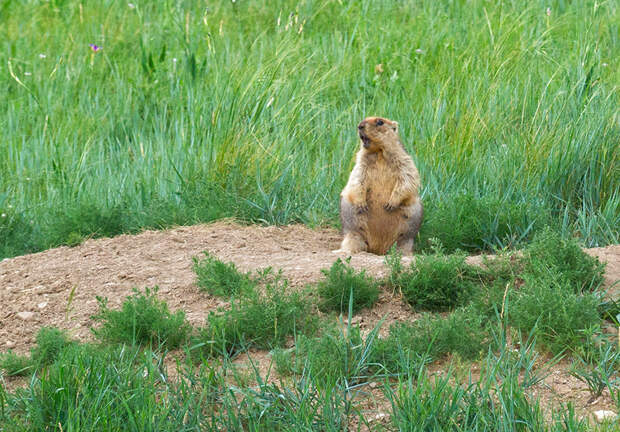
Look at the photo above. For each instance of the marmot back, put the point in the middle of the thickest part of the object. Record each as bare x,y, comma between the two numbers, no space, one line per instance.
380,204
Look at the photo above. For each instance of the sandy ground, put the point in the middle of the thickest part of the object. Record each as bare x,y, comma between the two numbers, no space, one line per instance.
58,287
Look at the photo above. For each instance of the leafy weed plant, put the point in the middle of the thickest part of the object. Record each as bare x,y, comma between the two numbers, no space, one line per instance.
433,282
50,342
15,365
548,304
144,320
341,282
462,332
263,319
220,278
550,253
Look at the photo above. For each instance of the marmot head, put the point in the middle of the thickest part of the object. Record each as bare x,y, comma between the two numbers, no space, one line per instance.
375,132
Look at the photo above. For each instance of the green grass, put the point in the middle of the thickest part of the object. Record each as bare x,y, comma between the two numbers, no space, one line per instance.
220,278
50,342
248,109
112,388
552,291
327,371
143,319
342,282
262,318
434,282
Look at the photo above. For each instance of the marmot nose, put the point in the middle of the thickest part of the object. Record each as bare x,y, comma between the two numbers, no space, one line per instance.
361,125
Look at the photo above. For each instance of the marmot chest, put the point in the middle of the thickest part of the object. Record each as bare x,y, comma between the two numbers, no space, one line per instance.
381,178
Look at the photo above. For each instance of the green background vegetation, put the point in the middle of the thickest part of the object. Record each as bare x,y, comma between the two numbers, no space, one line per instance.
194,111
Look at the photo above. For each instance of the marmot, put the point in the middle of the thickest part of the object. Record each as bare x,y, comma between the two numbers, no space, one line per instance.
380,204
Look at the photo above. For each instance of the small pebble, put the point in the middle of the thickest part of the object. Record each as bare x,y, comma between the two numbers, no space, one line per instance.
42,305
604,416
26,316
379,416
10,344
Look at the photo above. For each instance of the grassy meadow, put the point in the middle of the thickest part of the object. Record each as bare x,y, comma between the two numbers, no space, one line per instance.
192,111
118,116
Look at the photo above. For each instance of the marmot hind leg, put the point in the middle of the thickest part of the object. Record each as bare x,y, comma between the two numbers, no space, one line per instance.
353,224
353,243
414,217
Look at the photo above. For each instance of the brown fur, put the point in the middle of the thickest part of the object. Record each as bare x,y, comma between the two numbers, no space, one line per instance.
380,204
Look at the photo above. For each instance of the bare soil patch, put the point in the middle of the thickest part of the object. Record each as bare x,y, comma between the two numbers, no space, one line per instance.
58,287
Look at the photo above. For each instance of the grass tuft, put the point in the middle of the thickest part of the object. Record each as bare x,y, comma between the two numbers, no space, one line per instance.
263,318
221,279
50,342
549,253
15,365
341,281
433,282
144,320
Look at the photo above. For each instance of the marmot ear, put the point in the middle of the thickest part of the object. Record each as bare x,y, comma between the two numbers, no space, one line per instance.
395,126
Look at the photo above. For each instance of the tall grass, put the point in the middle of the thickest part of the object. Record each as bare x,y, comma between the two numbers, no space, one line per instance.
192,112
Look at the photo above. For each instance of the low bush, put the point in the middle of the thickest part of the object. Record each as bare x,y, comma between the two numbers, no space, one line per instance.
220,278
341,280
15,365
262,319
463,332
142,319
50,342
550,253
433,282
548,305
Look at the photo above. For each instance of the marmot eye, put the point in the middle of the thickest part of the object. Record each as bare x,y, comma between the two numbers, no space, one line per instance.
379,122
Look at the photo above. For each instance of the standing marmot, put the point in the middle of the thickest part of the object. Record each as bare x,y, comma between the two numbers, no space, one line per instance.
380,204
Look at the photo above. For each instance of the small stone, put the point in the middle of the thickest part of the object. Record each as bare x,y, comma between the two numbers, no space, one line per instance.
604,416
379,417
10,344
42,305
26,316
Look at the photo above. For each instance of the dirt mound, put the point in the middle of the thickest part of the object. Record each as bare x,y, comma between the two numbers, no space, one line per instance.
58,287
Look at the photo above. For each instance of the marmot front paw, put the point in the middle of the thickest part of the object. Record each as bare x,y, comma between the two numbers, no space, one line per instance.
390,207
361,209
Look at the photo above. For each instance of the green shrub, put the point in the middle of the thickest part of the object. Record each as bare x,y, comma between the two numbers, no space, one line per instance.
220,278
550,253
335,354
15,365
340,280
463,332
259,319
464,221
50,342
548,304
142,319
434,282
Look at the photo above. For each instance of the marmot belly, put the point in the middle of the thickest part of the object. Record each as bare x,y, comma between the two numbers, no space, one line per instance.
383,227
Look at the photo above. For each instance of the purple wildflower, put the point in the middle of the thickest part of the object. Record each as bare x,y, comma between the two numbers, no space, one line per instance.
94,47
